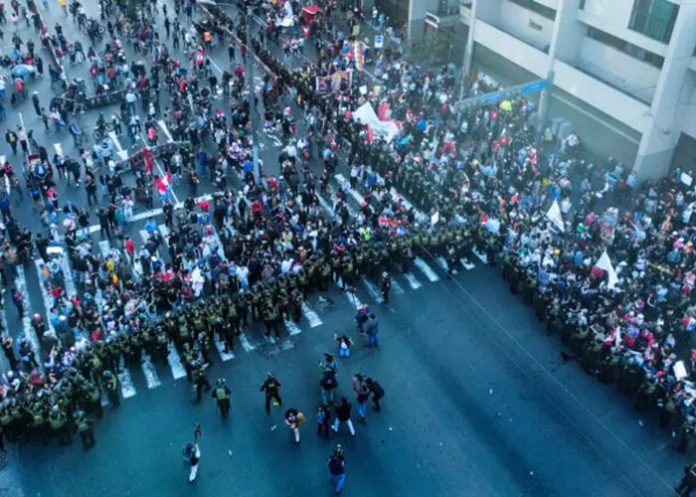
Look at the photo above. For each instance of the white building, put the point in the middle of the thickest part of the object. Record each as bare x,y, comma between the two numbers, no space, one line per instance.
623,71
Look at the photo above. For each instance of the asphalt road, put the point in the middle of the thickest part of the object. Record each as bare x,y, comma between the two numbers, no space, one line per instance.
477,402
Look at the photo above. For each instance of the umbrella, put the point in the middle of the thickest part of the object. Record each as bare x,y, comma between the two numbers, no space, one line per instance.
21,70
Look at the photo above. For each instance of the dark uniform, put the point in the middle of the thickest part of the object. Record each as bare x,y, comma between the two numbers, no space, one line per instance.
221,394
271,387
83,426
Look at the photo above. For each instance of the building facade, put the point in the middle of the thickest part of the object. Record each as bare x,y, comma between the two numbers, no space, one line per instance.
623,72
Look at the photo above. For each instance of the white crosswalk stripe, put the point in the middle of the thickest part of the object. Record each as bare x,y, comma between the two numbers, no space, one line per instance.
246,344
353,299
427,270
292,328
163,125
480,255
104,248
145,236
21,286
467,264
126,381
345,184
372,290
164,232
175,365
312,317
150,372
412,281
396,286
443,264
122,154
225,356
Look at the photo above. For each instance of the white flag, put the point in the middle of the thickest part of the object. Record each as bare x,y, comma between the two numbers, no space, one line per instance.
605,263
554,215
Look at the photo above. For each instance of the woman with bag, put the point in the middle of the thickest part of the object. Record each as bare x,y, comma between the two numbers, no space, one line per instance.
293,420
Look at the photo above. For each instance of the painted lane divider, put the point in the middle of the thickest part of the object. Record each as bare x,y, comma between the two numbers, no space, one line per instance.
292,328
427,270
122,154
178,370
246,344
372,290
150,372
312,317
225,356
412,280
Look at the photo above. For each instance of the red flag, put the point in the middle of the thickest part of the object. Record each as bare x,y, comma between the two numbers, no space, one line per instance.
370,135
164,183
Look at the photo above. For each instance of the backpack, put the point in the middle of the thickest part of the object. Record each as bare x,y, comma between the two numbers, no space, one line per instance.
377,390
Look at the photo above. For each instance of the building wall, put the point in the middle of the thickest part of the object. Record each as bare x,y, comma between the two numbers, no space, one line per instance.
526,25
613,16
634,77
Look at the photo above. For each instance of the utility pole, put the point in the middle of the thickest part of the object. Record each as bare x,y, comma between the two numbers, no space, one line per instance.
468,50
252,96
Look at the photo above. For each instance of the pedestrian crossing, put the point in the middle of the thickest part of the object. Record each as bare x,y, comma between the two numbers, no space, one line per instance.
153,373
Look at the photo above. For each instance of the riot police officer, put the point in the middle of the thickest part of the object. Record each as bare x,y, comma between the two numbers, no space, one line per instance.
221,394
83,426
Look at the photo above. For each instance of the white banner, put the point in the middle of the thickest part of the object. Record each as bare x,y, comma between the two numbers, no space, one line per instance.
554,215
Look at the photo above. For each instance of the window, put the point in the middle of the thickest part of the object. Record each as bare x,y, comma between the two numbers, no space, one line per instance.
654,18
536,7
628,48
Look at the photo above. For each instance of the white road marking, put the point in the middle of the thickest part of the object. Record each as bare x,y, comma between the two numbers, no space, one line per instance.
105,248
163,125
312,317
353,299
27,328
345,184
178,370
293,329
427,270
372,290
246,344
398,289
127,387
164,232
122,154
150,373
326,206
480,255
225,356
443,264
467,265
412,281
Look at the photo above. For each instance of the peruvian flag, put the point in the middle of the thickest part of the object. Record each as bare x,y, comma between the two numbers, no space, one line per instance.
164,183
370,134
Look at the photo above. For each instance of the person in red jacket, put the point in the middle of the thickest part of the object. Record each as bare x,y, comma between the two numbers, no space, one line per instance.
130,247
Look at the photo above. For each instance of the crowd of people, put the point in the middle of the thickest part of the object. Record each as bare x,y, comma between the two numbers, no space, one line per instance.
450,185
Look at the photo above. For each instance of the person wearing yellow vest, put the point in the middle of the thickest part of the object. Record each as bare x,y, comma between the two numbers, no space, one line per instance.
58,422
221,394
83,426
